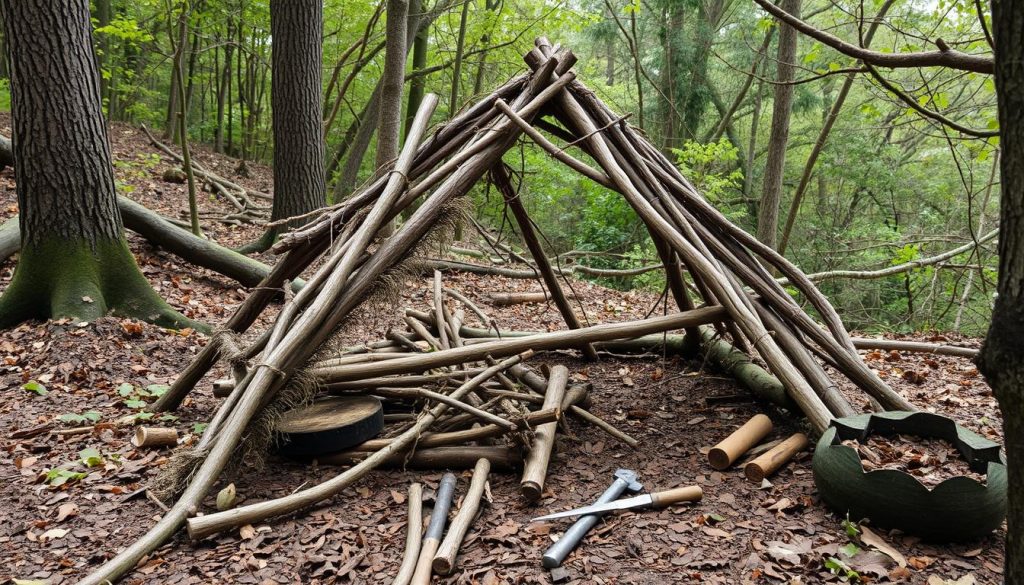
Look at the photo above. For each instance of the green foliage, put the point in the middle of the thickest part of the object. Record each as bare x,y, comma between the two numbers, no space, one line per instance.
887,187
711,168
90,416
36,387
91,457
60,476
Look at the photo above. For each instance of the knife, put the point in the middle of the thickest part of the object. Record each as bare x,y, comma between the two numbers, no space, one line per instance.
691,493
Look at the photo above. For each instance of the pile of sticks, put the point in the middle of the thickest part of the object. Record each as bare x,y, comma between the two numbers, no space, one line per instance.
697,245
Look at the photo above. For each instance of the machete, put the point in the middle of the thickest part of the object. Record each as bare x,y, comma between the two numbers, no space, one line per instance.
690,493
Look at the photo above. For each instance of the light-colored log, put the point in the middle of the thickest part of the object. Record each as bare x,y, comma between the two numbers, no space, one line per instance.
769,462
535,470
722,455
155,437
444,559
413,535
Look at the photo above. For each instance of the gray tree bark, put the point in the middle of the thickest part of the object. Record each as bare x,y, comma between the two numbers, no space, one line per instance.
74,261
295,93
1000,359
771,196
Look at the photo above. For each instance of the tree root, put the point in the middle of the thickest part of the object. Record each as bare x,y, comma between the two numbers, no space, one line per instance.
70,279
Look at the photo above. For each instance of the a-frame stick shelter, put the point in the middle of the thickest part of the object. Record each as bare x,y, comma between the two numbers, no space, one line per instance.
729,268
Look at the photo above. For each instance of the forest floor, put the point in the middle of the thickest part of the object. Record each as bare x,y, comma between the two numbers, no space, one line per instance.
739,533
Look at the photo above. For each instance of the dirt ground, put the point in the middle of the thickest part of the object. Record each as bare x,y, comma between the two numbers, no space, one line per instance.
69,476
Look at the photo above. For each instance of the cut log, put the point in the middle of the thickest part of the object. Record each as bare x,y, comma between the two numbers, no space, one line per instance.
536,468
329,425
149,437
722,455
770,461
444,559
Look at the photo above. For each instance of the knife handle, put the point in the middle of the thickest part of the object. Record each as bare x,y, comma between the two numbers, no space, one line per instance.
690,493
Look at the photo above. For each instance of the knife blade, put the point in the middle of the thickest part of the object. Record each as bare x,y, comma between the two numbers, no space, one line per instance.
691,493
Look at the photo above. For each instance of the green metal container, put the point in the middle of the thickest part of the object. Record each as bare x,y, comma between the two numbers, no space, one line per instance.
957,509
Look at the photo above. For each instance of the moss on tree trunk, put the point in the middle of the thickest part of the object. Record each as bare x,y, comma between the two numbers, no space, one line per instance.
74,260
60,278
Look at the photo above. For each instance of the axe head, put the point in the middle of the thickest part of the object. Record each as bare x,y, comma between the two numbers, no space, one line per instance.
629,476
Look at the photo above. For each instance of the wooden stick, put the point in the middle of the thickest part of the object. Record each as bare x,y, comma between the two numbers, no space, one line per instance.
722,455
398,381
428,440
501,180
505,299
202,526
432,537
444,559
155,437
542,341
536,382
454,457
438,397
536,467
439,311
769,462
414,536
915,346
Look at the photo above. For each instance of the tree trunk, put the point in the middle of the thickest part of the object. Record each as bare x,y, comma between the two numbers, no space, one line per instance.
224,89
460,46
417,87
771,197
392,84
295,93
1000,356
74,261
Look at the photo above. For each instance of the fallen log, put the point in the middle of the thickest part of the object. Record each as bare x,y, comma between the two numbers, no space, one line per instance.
160,232
455,457
751,376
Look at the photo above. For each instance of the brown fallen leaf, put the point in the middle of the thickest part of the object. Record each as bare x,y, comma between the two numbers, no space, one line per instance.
870,538
66,510
53,534
920,562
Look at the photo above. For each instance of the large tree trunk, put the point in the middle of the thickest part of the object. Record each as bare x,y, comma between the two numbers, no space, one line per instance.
300,184
1000,359
771,197
74,259
295,92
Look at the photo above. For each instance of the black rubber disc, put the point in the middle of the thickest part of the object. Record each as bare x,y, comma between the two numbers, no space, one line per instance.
329,425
